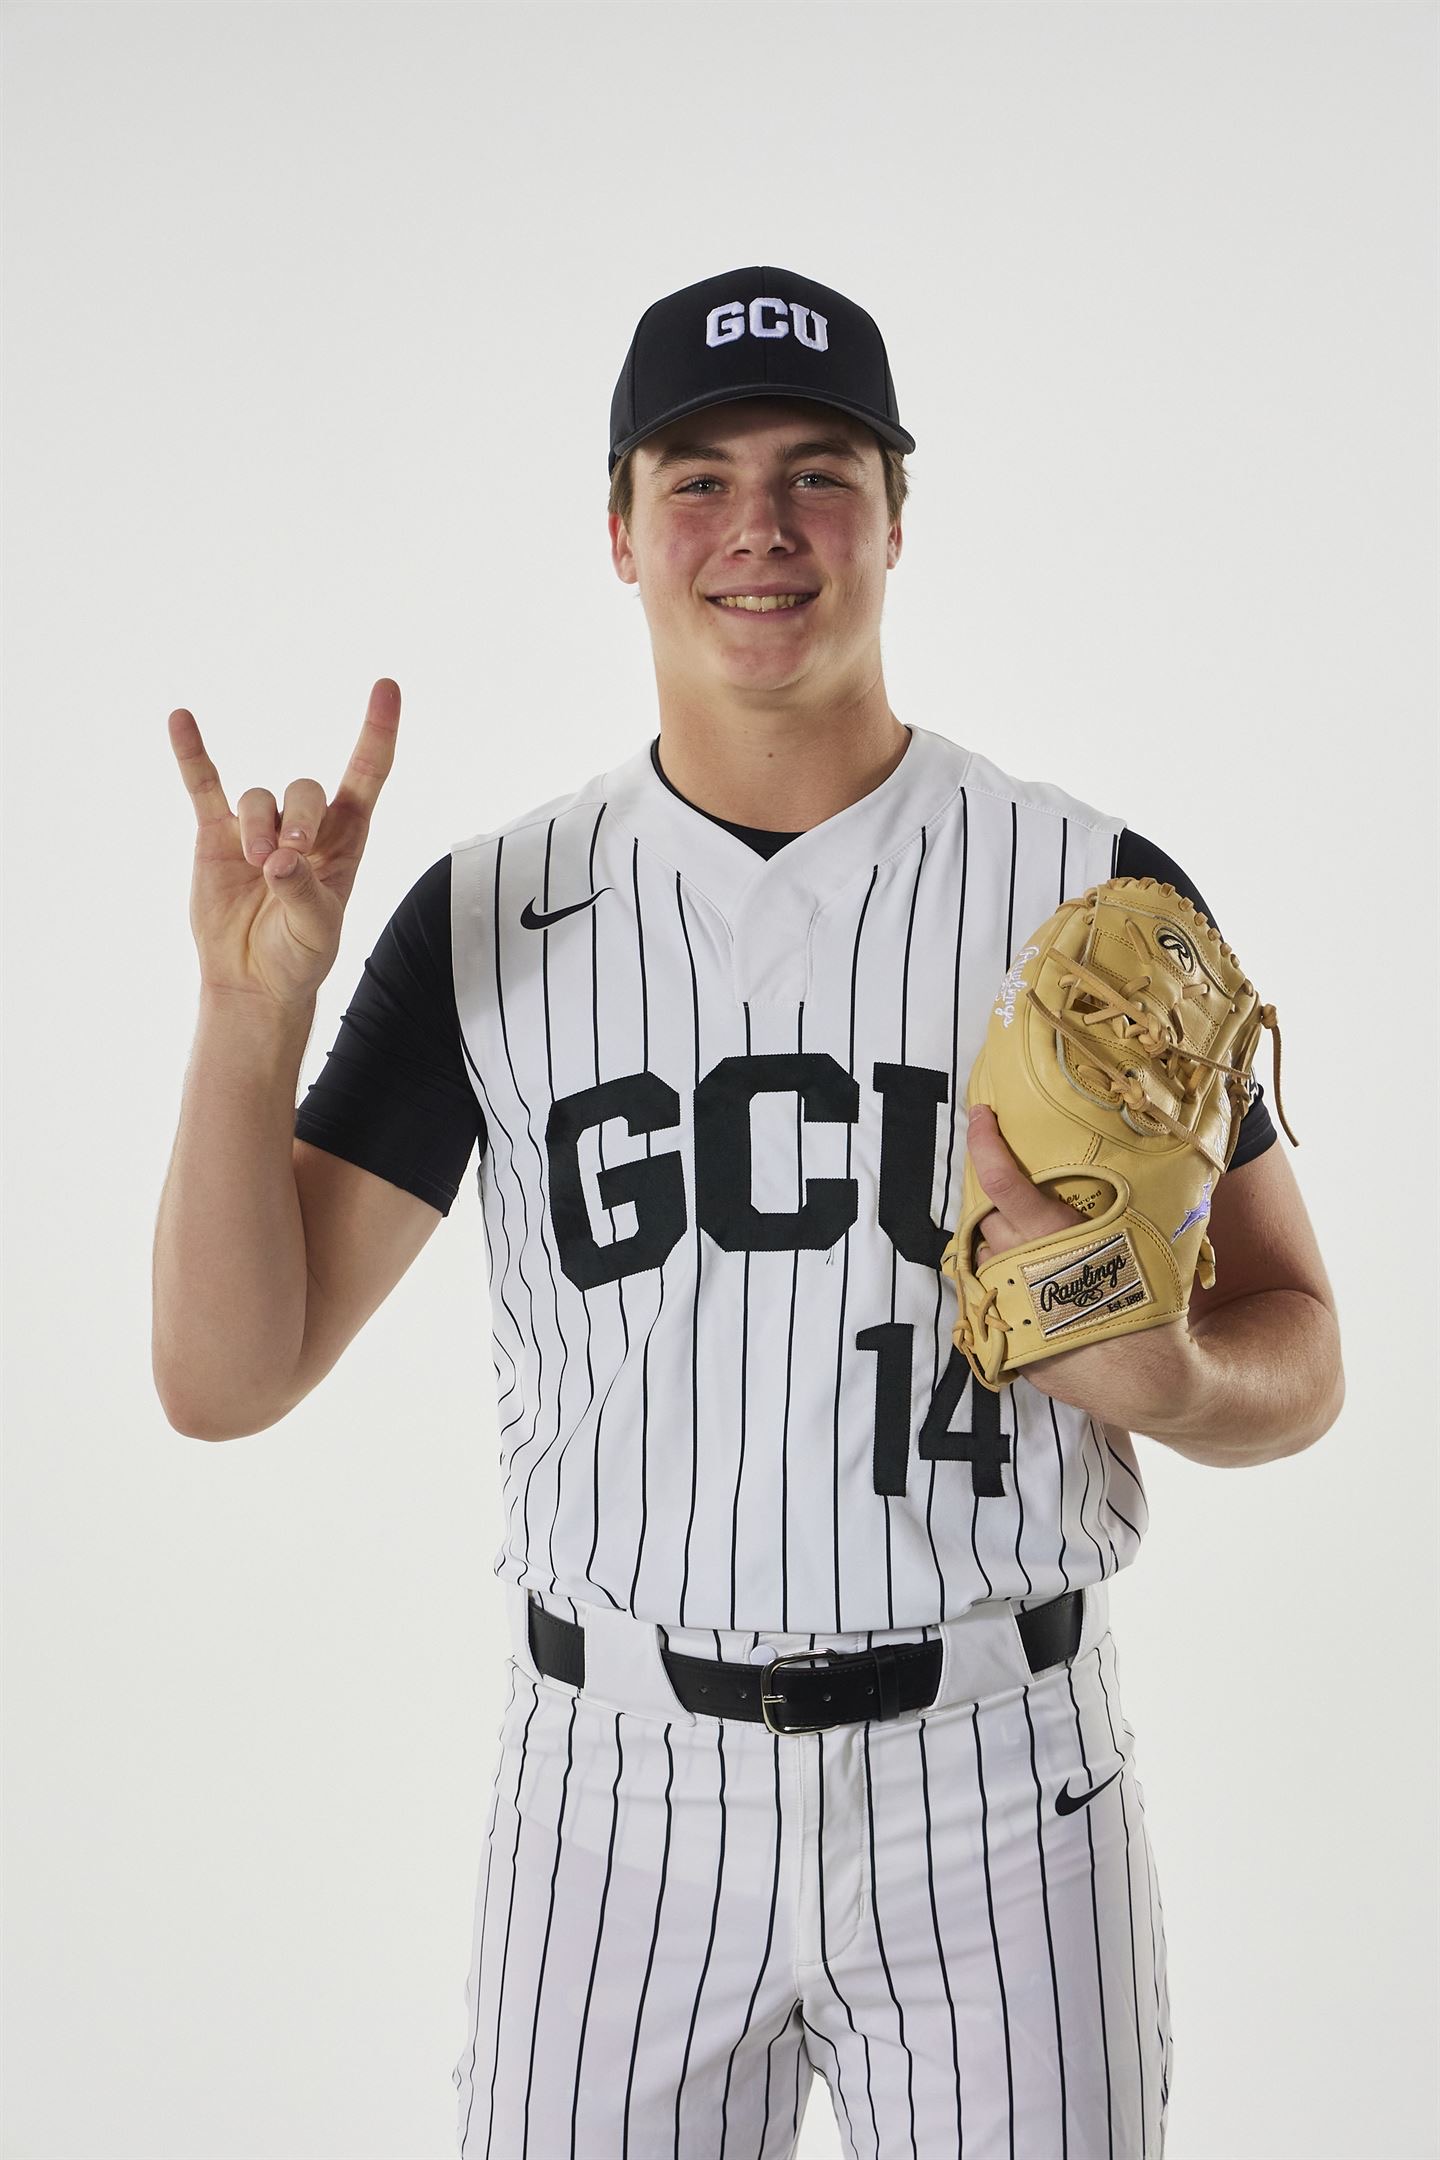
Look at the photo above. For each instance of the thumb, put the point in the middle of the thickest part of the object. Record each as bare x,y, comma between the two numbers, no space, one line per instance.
287,863
1030,1209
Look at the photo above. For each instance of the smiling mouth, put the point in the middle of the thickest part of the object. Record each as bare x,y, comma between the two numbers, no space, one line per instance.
772,604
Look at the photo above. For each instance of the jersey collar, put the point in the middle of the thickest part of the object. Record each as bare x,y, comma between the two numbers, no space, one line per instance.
816,864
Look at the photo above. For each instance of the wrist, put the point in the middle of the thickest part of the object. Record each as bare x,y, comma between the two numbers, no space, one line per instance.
245,1030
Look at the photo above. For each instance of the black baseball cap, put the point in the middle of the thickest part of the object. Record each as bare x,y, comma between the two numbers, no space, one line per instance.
759,332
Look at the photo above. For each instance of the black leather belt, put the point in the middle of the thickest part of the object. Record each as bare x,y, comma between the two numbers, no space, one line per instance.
817,1688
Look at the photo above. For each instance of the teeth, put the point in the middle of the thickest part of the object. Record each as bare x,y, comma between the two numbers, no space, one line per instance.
767,606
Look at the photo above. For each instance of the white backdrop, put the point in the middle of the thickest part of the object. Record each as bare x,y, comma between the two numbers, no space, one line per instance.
311,320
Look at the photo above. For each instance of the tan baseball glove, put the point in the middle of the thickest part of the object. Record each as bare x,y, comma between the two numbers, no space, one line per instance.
1118,1064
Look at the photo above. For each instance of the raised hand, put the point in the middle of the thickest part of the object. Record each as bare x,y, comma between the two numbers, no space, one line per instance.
270,883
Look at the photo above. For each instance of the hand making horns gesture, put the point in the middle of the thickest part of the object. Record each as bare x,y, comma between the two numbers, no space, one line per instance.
270,886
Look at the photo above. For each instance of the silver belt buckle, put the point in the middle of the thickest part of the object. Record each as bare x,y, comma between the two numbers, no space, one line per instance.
792,1657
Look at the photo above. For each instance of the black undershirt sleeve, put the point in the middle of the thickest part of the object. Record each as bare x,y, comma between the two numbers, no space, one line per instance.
394,1096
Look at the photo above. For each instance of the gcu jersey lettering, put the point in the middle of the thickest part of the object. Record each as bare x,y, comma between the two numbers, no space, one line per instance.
724,1100
732,319
722,1174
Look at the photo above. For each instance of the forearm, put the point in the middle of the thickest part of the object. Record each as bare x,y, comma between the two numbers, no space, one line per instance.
1266,1381
230,1281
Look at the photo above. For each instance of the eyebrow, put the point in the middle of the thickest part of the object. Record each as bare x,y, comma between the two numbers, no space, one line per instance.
682,453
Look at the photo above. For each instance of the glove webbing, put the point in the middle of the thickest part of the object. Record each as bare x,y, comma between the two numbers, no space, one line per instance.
1146,1034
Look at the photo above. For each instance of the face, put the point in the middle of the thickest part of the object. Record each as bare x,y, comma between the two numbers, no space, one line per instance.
763,495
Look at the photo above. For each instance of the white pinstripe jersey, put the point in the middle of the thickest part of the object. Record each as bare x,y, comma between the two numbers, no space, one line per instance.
724,1160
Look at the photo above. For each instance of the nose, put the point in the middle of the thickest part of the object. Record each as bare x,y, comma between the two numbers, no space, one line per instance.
763,514
759,538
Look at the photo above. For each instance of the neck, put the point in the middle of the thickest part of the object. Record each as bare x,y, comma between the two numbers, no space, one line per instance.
781,772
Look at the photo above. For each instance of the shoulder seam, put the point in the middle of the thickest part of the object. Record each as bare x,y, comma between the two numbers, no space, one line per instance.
522,822
1102,822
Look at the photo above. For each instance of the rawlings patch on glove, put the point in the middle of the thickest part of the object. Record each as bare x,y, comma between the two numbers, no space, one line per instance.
1118,1064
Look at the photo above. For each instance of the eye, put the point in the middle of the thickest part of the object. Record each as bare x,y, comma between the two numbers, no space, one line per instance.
709,480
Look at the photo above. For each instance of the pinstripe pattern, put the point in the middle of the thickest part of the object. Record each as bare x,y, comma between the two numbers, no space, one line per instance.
722,1101
678,1924
729,1393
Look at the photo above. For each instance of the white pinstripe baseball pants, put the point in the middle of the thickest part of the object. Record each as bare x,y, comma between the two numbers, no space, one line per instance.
681,1918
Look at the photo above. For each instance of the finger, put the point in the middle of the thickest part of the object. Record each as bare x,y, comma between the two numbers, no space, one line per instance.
291,877
990,1227
1001,1177
196,770
258,823
303,814
374,752
1029,1210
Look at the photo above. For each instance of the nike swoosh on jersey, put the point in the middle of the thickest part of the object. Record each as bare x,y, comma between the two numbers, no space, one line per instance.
531,921
1068,1802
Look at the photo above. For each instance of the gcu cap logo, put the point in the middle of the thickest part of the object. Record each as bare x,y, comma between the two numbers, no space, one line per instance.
730,320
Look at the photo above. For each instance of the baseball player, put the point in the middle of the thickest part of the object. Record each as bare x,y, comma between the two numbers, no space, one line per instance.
813,1757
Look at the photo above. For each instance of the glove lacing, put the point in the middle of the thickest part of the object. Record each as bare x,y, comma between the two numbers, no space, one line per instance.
974,1330
1155,1035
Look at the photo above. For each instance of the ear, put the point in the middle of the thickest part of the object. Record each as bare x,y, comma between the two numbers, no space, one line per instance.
621,552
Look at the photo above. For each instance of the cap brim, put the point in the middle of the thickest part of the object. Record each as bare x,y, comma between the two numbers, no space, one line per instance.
899,438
